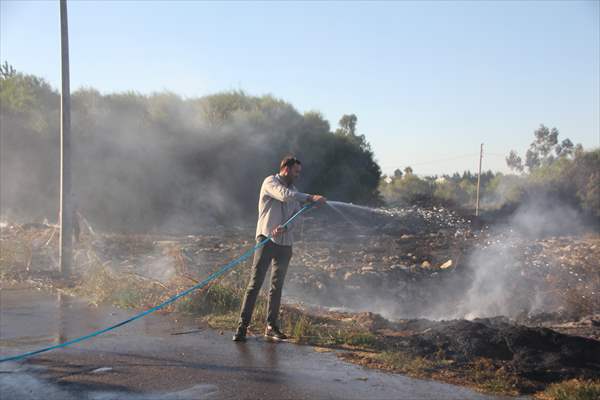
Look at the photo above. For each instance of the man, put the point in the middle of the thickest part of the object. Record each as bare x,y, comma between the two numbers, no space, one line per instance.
278,201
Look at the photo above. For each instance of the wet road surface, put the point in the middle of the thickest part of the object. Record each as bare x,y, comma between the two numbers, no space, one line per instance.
162,357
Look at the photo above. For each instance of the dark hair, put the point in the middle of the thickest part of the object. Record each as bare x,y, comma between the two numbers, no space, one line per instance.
289,161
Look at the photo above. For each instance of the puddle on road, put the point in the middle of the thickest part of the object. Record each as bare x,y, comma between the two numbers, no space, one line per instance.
253,370
20,382
30,319
198,392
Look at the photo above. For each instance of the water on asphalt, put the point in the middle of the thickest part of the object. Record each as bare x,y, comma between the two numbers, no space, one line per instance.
172,357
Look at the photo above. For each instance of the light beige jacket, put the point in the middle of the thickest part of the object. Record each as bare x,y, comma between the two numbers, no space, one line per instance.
276,204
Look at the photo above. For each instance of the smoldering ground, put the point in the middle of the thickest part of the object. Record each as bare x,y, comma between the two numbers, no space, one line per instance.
498,285
432,264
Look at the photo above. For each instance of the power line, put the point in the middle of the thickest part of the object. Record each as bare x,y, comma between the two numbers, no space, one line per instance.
448,159
444,159
495,154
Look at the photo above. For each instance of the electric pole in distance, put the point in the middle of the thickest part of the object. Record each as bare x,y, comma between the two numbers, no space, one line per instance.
479,180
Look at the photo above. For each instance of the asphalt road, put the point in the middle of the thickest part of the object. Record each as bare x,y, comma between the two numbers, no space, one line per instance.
166,357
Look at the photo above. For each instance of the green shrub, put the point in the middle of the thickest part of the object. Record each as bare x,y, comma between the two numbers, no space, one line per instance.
217,299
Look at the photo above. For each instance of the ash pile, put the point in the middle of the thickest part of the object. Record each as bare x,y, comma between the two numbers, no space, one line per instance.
536,355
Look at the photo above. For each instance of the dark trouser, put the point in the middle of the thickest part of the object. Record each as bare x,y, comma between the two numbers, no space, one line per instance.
280,255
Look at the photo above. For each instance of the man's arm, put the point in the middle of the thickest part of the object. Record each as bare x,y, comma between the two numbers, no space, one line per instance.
278,191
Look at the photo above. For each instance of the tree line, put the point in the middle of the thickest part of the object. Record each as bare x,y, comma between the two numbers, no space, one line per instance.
553,170
153,161
149,161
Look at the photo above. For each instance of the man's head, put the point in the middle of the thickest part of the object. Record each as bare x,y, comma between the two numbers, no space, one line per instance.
290,168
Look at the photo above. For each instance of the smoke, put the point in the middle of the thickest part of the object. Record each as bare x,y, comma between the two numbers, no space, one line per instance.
378,266
499,286
144,163
161,269
162,165
509,190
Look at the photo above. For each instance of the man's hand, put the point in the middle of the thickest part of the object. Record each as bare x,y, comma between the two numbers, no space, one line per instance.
278,231
318,199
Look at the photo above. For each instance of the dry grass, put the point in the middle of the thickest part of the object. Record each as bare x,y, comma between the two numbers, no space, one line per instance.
573,389
103,285
26,251
480,374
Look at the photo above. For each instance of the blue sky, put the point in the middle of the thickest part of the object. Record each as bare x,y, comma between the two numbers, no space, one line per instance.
429,81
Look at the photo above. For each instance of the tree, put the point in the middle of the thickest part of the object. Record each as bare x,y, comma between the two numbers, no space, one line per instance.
469,177
408,171
545,140
398,173
7,71
514,162
540,150
532,159
564,149
348,129
348,124
410,190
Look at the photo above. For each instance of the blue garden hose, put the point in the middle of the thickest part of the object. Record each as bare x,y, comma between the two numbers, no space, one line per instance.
210,278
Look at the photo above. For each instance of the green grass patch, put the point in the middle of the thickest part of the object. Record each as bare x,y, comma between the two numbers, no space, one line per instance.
359,339
404,362
574,389
217,299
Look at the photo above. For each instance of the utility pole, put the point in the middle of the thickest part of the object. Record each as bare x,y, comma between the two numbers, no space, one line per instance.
66,198
479,180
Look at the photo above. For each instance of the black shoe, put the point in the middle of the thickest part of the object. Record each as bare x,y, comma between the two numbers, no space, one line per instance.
240,334
273,333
